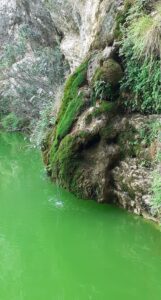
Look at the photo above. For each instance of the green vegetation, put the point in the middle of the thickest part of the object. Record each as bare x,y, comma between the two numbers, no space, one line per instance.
11,122
150,136
32,84
106,80
104,107
74,82
110,72
65,161
46,120
149,132
156,183
102,91
72,111
72,103
141,48
156,191
130,142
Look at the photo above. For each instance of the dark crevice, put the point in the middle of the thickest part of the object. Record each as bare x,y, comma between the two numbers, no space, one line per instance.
94,140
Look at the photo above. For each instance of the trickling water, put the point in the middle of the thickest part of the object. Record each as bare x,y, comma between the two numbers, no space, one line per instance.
56,247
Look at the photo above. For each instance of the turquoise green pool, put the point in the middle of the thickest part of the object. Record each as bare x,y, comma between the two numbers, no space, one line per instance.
56,247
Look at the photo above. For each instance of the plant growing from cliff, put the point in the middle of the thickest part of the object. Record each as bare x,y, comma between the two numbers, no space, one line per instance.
11,122
31,78
146,35
45,121
156,180
11,52
149,132
102,91
156,191
33,85
141,49
39,82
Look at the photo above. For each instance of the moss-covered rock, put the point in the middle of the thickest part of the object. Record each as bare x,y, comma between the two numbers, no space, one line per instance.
111,72
66,163
72,105
72,101
105,107
93,144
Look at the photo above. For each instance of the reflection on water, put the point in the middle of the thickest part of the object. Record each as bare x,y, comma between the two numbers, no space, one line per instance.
56,247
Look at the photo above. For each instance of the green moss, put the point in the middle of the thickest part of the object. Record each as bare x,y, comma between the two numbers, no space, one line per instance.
60,144
105,107
121,19
110,72
72,111
72,102
65,160
74,82
98,75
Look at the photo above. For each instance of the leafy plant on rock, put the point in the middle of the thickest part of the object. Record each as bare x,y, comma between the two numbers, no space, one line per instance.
141,52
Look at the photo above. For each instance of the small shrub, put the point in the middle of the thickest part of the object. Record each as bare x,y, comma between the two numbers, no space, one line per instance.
31,81
149,132
103,91
146,35
11,122
46,120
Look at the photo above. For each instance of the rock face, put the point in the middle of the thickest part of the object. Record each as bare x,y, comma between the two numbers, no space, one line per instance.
31,62
32,13
85,24
101,153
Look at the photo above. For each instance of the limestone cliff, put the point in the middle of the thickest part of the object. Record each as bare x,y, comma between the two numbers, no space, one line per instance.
85,25
31,62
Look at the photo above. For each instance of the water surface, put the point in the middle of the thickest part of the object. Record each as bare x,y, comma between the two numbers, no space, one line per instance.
56,247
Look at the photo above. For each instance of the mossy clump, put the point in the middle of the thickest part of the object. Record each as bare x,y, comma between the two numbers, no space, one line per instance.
72,101
65,161
11,122
104,108
74,82
111,73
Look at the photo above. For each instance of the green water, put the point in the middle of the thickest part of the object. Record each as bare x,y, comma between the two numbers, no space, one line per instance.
56,247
